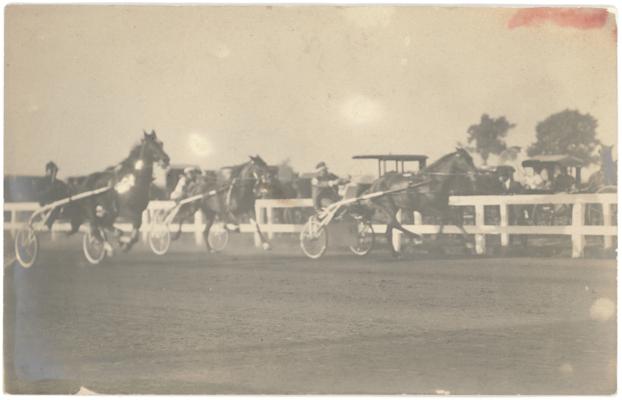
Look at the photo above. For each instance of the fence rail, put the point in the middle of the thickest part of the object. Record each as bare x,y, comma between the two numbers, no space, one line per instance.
577,230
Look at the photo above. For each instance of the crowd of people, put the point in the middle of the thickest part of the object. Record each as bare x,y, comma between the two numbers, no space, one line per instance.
539,180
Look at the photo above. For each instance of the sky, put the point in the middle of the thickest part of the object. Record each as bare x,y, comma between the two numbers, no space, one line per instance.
307,84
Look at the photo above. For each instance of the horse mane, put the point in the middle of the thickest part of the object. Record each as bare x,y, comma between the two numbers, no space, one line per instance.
236,170
127,164
432,167
435,165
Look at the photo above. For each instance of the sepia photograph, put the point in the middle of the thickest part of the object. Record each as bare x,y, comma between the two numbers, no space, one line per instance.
310,199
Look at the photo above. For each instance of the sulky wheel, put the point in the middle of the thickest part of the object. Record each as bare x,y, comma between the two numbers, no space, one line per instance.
313,239
160,239
364,240
218,237
26,247
94,248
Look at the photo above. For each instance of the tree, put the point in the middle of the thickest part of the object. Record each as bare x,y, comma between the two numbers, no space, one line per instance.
567,132
489,136
510,154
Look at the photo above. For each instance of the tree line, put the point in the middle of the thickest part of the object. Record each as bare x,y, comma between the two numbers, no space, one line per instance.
567,132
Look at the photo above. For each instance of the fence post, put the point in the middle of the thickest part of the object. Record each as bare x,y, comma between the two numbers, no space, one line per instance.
397,235
608,240
270,221
417,218
578,240
259,216
504,222
13,222
198,228
480,239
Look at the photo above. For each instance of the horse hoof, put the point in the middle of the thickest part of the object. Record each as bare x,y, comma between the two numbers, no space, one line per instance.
266,246
108,249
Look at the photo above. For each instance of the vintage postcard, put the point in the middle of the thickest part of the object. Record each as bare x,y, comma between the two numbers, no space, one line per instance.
310,200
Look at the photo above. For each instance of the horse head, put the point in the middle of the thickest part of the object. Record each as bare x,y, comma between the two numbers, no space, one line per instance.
458,170
152,150
465,160
264,181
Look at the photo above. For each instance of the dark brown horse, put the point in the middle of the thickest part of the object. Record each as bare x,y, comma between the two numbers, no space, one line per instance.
233,198
130,181
452,173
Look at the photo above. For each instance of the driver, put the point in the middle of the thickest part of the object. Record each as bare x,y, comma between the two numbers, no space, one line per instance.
53,189
51,170
324,186
185,183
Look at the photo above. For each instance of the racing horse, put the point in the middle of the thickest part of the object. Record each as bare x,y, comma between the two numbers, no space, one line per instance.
232,198
454,172
130,181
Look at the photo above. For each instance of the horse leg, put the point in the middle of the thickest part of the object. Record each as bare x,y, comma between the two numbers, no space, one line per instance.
75,218
398,225
209,221
464,234
390,210
134,236
177,233
264,243
389,235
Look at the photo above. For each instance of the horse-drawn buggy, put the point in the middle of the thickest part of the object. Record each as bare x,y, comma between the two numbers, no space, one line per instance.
393,191
98,199
222,197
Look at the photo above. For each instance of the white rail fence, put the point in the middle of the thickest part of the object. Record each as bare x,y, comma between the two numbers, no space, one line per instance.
16,215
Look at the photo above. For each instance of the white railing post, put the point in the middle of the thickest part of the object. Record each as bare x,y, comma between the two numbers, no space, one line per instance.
198,228
504,222
397,235
417,218
13,222
480,239
270,221
607,240
578,240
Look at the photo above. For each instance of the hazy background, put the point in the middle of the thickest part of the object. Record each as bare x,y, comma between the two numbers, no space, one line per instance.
306,83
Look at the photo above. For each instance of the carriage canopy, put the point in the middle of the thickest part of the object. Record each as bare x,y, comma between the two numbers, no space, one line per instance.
398,159
550,162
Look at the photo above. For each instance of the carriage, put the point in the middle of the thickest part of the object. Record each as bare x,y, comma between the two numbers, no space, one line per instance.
314,235
552,164
160,233
27,242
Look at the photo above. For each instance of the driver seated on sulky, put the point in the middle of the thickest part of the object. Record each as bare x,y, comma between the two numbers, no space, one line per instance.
185,183
53,189
324,186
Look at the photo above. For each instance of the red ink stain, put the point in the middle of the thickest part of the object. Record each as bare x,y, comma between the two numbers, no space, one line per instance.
580,18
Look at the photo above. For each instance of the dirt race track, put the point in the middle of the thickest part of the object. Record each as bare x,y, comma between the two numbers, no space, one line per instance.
255,322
